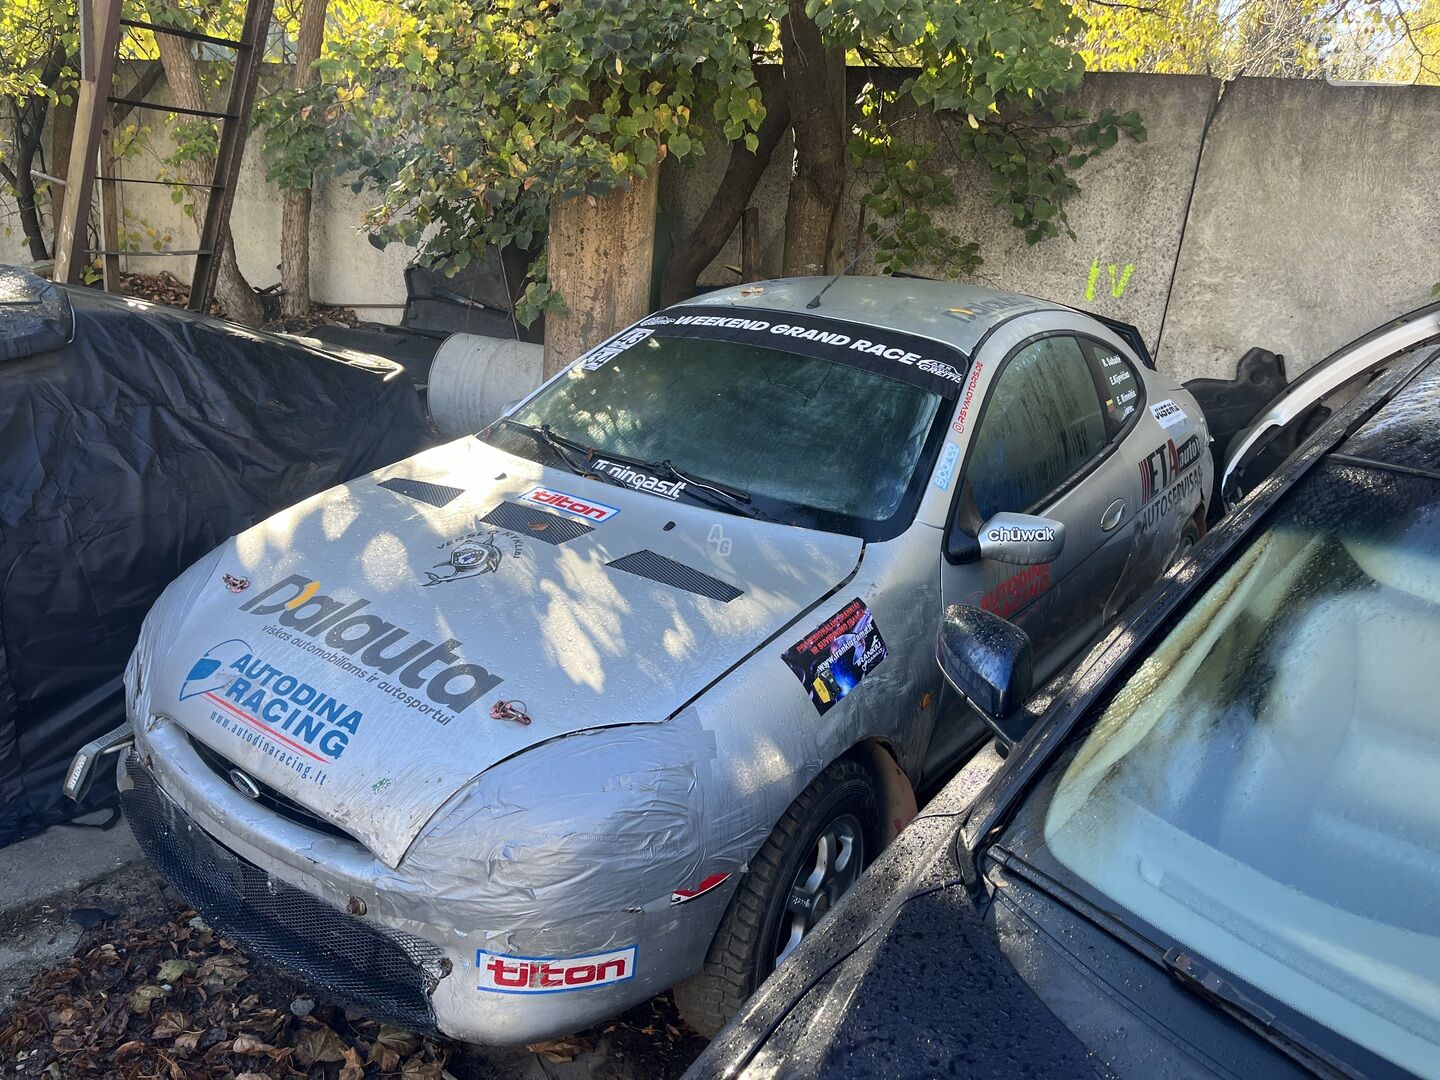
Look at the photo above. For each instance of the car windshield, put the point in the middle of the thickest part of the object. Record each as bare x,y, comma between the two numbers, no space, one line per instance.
811,439
1262,789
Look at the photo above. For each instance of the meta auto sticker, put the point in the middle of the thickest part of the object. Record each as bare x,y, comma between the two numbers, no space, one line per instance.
432,680
585,509
945,470
300,725
892,353
831,660
553,974
1168,413
480,551
1167,476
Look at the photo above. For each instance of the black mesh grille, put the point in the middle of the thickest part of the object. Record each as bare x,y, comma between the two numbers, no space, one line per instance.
647,564
549,528
269,797
423,491
387,974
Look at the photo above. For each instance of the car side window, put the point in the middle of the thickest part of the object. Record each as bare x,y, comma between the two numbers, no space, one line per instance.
1119,384
1043,423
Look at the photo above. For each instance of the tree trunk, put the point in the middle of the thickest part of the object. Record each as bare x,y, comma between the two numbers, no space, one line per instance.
696,251
815,88
295,214
601,254
183,75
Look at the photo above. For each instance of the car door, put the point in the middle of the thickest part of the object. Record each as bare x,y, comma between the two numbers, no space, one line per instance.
1044,445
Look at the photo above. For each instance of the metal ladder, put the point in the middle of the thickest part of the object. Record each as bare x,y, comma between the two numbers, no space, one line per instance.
100,23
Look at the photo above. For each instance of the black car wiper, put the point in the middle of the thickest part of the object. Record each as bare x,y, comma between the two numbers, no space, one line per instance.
733,498
562,446
1185,969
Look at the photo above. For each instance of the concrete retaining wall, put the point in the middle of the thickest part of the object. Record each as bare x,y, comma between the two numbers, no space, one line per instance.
1283,213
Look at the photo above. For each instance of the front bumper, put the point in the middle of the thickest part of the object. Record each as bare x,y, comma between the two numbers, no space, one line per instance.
388,973
416,952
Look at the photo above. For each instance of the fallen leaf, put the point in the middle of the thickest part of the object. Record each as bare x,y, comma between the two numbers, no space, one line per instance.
128,1050
319,1044
352,1070
174,970
186,1042
249,1044
560,1051
141,1000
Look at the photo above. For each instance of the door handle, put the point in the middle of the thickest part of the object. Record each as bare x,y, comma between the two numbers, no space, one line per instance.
1113,513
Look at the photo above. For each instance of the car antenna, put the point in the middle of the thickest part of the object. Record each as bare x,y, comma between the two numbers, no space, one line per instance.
814,303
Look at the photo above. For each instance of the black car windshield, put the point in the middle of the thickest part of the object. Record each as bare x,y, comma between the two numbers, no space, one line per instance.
811,437
1264,789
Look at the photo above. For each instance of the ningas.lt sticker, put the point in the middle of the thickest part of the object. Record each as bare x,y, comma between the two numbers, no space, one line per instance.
832,659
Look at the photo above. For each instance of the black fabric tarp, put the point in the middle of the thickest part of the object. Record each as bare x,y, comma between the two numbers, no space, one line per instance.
126,455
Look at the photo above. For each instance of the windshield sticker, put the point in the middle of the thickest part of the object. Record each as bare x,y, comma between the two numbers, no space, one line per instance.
965,402
606,351
945,471
569,504
367,647
832,659
1168,414
1167,476
892,353
473,554
553,974
640,481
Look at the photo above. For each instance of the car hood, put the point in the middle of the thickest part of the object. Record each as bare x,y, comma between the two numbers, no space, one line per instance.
348,652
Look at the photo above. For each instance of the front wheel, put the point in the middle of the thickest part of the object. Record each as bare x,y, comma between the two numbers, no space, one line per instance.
815,854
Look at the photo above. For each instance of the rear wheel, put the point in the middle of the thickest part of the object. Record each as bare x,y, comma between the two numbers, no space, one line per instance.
815,854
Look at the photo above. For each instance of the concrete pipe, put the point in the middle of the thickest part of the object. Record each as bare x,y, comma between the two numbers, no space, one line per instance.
474,378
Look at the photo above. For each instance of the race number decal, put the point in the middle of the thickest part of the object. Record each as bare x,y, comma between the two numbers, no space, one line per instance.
831,660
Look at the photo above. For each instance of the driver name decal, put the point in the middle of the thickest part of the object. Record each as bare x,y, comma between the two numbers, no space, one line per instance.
832,659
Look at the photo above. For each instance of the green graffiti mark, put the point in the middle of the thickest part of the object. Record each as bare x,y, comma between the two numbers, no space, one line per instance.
1117,286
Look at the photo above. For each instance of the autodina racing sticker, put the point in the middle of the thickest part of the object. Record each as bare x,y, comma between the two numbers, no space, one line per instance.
831,660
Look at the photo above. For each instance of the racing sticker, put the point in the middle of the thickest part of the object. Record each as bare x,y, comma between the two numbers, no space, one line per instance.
1167,477
606,351
921,361
831,660
945,470
480,551
1168,414
684,896
965,402
553,974
638,479
585,509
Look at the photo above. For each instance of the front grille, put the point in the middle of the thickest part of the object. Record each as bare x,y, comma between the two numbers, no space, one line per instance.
269,797
387,974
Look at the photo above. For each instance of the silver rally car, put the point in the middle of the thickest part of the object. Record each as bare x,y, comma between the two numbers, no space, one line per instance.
622,693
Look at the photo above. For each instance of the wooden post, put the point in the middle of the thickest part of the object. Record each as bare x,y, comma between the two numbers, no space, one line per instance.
601,255
109,212
100,37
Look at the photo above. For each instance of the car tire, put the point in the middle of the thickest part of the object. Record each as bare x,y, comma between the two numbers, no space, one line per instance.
1189,537
745,948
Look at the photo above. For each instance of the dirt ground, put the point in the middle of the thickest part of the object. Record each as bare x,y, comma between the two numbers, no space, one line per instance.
120,979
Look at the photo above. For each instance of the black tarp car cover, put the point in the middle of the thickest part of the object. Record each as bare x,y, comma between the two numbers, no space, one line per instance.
129,447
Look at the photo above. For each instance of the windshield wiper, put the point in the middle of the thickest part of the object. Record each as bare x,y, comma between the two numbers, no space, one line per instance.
722,494
1185,969
562,446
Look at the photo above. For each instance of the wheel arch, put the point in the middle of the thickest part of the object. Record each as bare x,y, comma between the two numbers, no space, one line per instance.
896,792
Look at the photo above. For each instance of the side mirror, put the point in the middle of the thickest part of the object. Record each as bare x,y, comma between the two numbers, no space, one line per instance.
989,661
1021,539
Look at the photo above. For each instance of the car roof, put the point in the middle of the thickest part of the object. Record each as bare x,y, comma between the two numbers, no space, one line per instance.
959,315
1403,433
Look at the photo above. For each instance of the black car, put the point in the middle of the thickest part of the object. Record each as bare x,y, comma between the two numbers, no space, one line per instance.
1214,848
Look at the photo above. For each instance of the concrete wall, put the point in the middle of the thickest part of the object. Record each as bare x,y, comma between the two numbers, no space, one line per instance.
1315,216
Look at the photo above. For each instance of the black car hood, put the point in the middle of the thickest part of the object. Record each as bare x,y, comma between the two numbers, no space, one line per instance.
927,991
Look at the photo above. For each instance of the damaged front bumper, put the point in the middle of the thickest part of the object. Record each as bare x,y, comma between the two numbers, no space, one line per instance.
324,907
